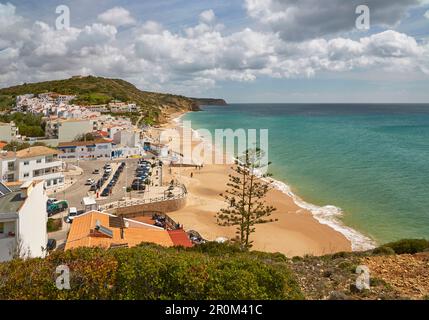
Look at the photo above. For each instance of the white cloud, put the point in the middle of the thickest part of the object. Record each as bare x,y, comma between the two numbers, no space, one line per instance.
427,14
155,58
8,16
207,16
117,16
306,19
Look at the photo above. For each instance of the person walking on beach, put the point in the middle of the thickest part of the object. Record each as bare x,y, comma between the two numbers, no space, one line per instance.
192,174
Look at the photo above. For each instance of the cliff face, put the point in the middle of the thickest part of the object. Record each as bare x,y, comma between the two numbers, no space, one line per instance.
210,102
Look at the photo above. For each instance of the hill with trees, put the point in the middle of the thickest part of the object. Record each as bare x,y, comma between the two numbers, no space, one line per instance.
90,90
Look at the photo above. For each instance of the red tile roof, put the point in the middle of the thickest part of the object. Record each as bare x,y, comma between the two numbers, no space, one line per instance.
180,238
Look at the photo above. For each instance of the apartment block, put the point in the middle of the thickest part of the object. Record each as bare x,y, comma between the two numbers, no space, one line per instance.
34,163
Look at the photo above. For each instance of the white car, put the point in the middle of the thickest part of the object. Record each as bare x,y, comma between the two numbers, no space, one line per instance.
89,182
108,170
72,214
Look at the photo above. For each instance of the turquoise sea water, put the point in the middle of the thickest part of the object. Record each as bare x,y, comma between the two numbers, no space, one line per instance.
371,161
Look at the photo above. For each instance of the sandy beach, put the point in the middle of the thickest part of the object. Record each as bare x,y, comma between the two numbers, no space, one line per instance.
295,233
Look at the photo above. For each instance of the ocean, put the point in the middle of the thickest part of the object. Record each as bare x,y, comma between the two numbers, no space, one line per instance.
361,168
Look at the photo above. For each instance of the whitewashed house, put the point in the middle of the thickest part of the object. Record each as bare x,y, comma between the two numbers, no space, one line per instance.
34,163
23,220
97,149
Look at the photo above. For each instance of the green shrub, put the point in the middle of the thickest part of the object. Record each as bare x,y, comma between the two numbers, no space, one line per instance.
54,225
410,246
215,248
384,251
149,272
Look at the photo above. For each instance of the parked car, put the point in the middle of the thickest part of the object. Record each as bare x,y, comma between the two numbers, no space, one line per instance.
93,187
105,192
51,200
138,185
72,214
96,171
89,182
108,170
53,208
51,245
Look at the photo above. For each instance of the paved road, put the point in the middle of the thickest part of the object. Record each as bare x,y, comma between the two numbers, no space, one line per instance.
79,190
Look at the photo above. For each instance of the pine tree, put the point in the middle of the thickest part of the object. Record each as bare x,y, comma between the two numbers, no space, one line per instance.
245,195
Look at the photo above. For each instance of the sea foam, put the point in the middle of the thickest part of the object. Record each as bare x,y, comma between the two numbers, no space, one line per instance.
330,216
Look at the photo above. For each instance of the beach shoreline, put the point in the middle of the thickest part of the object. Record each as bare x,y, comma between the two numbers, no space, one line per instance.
301,228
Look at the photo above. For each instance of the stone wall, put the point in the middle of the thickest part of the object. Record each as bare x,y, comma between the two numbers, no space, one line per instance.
161,207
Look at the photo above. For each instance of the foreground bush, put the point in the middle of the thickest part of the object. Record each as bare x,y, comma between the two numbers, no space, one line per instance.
410,246
150,272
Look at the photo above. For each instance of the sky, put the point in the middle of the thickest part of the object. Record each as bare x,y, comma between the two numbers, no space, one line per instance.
273,51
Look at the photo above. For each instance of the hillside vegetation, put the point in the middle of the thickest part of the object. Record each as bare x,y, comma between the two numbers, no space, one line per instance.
96,90
29,125
220,271
152,272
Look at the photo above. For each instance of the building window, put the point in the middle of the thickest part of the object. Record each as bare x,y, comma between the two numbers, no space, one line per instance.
10,177
55,182
37,173
11,166
39,161
26,175
1,227
48,183
26,163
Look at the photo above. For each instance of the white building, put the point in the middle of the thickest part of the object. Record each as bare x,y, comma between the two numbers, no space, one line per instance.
23,220
121,107
68,130
34,163
97,149
8,132
127,138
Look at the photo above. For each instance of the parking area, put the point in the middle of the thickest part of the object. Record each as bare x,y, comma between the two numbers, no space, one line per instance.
79,189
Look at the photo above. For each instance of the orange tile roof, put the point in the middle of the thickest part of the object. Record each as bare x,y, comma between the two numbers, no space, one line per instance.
180,238
2,144
82,233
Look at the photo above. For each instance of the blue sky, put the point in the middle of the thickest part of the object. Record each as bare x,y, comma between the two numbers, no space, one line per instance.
240,50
